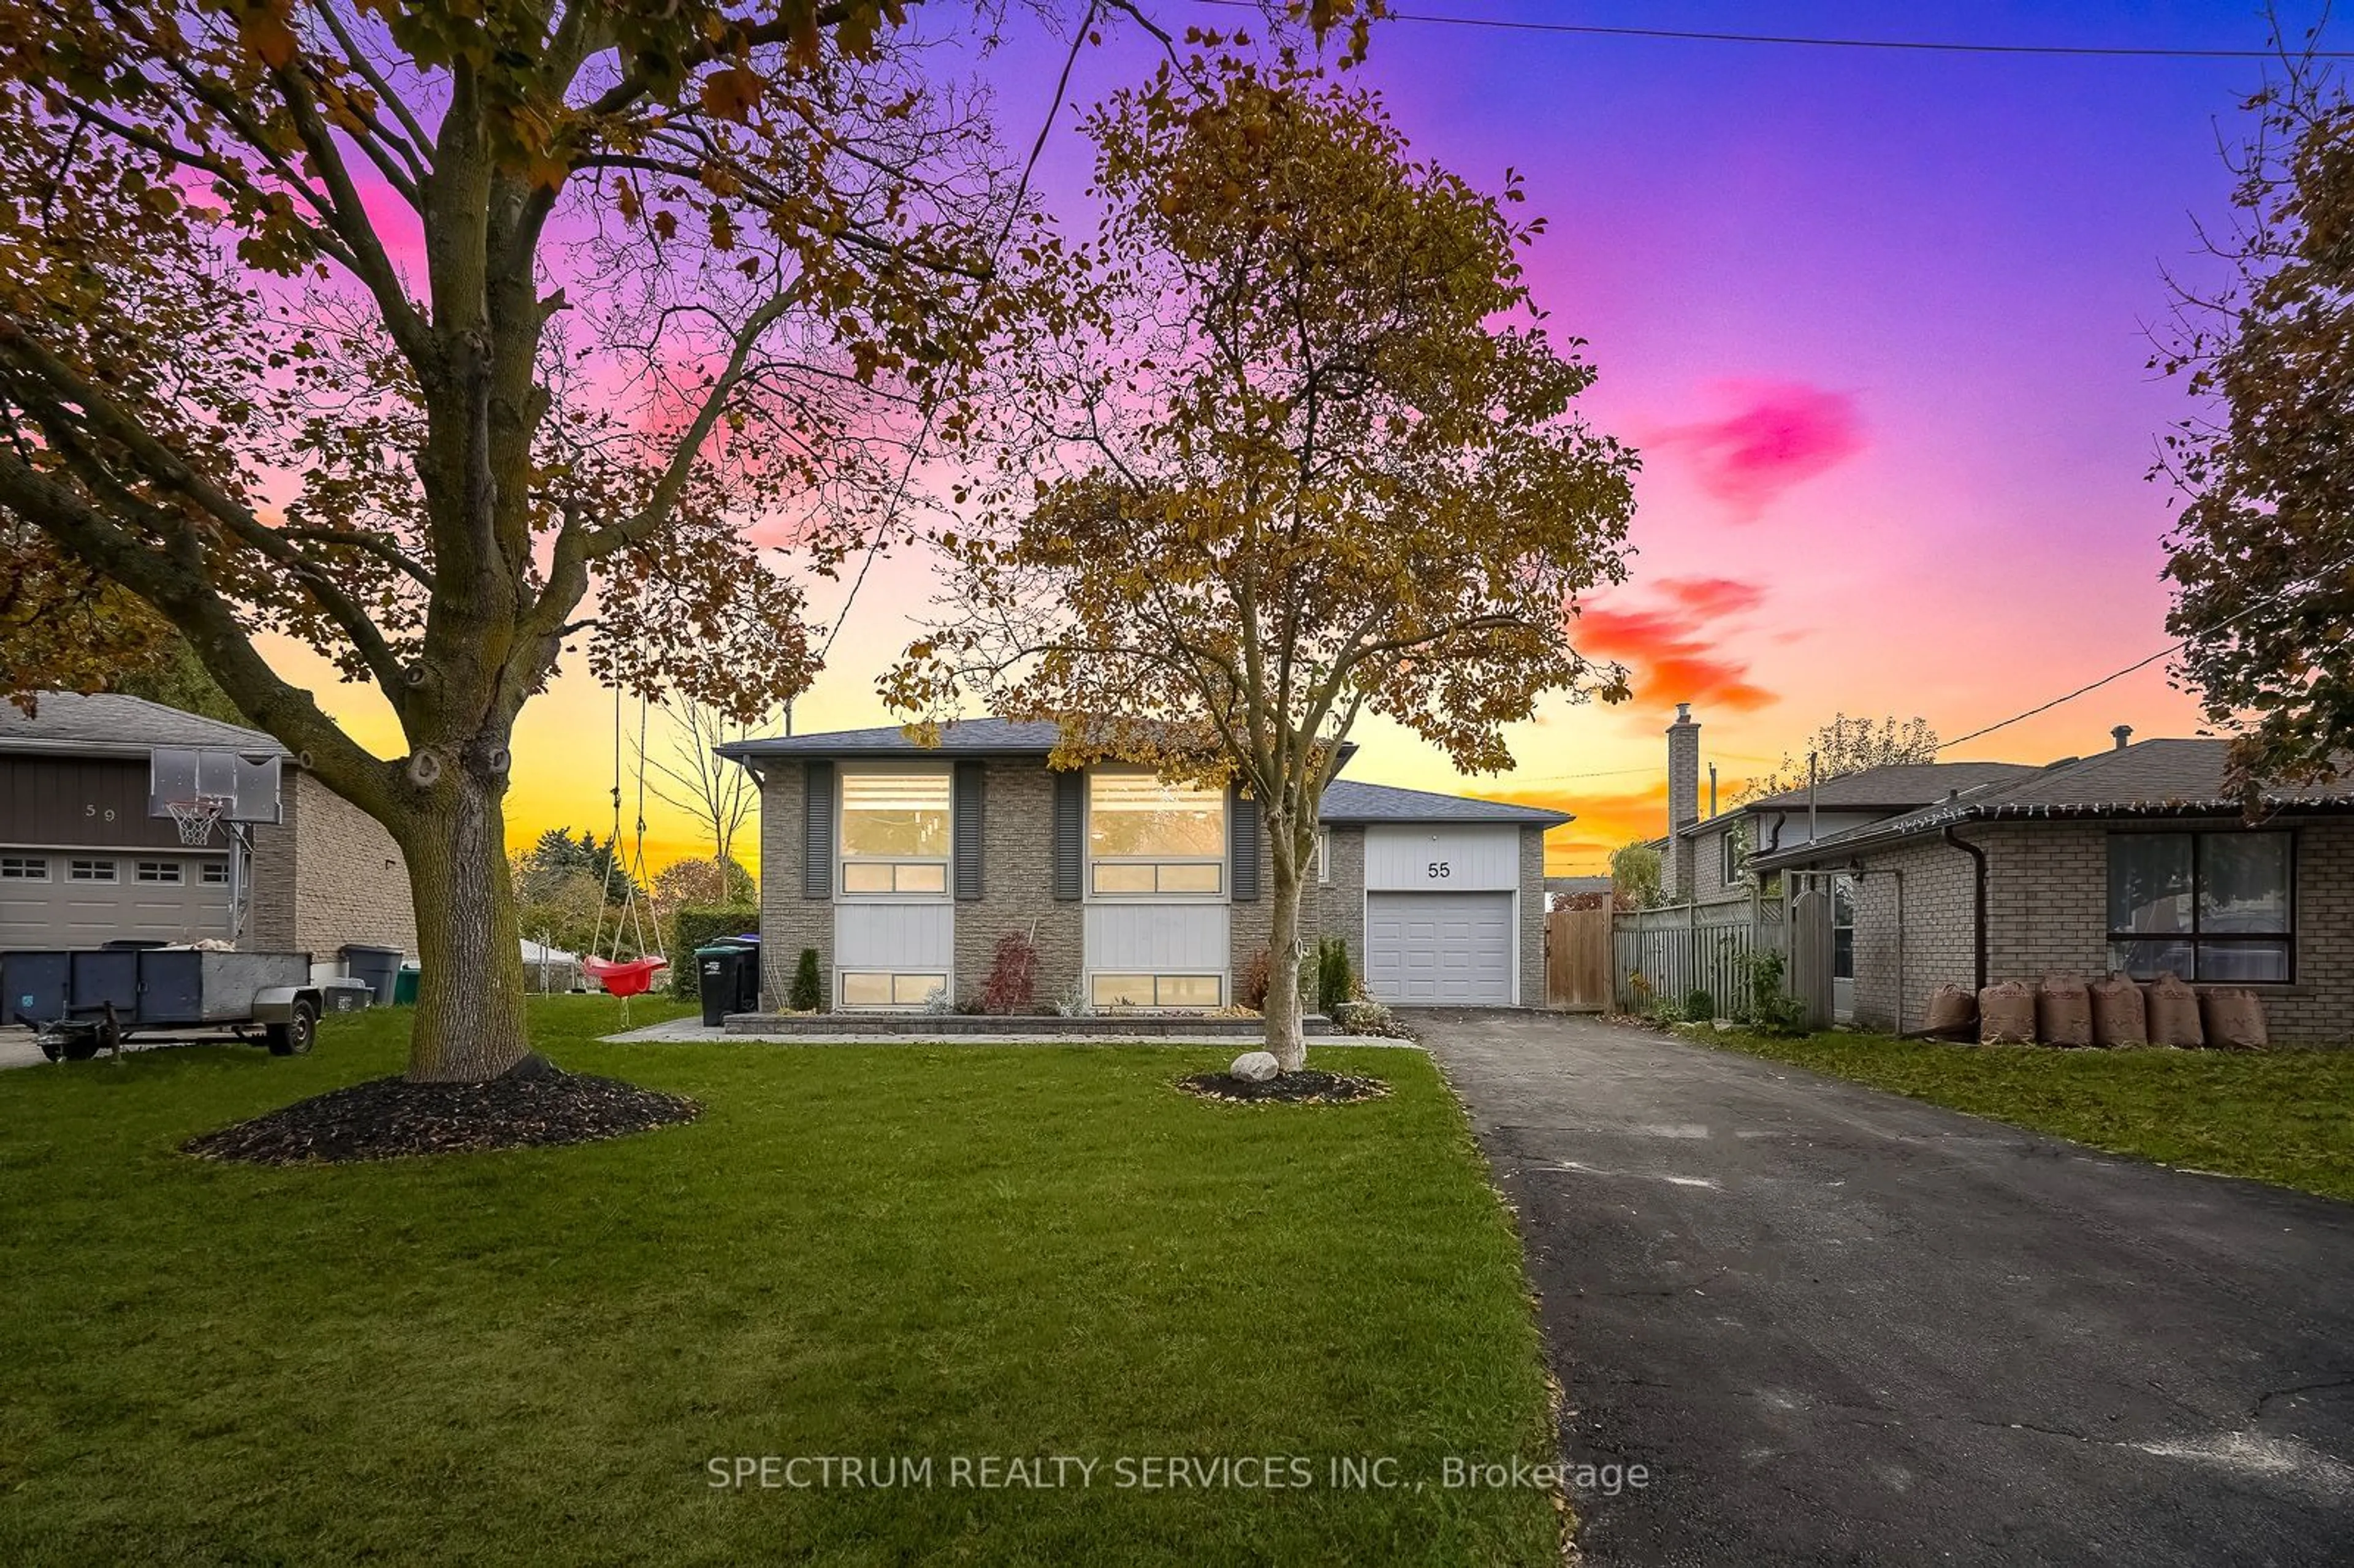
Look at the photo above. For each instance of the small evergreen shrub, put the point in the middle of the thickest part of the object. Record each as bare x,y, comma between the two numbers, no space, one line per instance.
1336,983
1699,1006
809,992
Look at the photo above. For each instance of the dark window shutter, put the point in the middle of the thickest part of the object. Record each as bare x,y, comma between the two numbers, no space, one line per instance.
817,830
1242,844
1070,835
964,826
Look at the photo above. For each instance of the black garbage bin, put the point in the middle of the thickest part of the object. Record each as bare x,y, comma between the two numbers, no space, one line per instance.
729,977
380,967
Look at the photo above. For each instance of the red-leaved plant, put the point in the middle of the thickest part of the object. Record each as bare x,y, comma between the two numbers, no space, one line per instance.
1013,980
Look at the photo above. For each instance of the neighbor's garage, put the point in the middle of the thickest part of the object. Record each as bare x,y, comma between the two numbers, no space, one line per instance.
1440,915
83,897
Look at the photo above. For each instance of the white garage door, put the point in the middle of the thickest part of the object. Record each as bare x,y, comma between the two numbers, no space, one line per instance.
1449,949
79,898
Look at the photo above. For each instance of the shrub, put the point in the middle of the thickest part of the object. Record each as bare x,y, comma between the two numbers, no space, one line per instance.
1699,1006
1075,1002
699,927
1250,986
1369,1018
1336,983
1012,983
1771,1010
809,992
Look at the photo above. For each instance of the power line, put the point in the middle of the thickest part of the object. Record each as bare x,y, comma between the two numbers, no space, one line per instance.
1928,46
2308,581
932,408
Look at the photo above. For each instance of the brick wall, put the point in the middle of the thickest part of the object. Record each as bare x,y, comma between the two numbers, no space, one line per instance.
1344,901
2047,912
1936,885
326,875
2047,902
1017,883
789,921
1530,907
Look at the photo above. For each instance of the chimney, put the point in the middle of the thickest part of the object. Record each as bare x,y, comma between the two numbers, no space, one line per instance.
1678,875
2123,735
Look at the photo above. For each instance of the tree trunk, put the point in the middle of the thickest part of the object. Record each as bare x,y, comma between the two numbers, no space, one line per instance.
1286,1037
470,1024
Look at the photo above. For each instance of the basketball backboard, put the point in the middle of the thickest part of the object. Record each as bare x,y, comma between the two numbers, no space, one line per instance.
247,782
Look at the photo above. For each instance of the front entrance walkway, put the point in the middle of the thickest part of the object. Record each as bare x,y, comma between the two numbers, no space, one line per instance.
1837,1326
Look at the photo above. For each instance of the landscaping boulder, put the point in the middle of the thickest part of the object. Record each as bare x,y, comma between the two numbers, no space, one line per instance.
2007,1015
1256,1067
2233,1017
2064,1012
2173,1009
2119,1017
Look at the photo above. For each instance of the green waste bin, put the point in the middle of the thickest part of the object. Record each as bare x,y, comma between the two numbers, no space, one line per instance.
404,987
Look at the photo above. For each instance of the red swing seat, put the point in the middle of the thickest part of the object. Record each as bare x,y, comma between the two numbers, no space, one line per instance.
633,978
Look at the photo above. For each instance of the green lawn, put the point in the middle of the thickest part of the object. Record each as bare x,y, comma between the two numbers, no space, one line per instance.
889,1252
2284,1117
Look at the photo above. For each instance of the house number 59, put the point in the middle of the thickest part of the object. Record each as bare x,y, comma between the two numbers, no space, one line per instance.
1441,869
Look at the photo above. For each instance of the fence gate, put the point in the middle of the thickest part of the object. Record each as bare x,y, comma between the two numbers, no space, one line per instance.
1578,959
1810,954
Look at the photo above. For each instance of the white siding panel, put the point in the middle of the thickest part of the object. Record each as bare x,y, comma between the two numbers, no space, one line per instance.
893,936
1442,948
1157,938
1441,858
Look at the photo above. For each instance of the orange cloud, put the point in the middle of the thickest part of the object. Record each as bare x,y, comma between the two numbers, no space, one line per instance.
1672,657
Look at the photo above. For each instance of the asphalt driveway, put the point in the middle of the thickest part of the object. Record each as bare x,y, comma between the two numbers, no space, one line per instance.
1836,1325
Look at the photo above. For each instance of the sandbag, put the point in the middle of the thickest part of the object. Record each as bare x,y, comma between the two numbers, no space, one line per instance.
2118,1016
1952,1012
2172,1009
2233,1018
2063,1013
2007,1015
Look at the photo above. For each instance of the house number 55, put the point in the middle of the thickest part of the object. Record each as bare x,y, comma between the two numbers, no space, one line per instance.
1441,869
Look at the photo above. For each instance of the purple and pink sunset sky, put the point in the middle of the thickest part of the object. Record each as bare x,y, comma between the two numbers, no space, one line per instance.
1878,321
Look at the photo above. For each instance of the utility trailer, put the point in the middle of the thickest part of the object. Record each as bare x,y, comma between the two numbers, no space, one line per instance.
80,1001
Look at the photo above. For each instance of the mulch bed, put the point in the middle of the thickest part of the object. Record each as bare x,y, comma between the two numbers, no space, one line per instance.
1305,1087
387,1118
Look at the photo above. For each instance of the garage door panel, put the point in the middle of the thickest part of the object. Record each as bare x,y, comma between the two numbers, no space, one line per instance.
59,912
1439,948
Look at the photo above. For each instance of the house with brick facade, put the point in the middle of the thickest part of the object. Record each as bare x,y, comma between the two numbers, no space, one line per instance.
901,866
2132,859
82,861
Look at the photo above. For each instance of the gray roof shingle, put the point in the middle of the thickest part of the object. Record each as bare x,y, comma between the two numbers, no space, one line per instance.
109,722
2150,778
1900,786
1345,800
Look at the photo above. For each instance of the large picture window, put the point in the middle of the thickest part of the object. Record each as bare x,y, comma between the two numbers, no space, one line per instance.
1115,991
2207,907
1147,839
895,833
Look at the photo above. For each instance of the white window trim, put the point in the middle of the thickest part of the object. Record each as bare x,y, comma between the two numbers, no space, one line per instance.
159,873
101,871
947,983
843,860
212,873
1156,977
1221,895
27,868
1324,855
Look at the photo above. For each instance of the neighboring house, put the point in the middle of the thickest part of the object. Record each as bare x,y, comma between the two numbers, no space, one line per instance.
903,866
2131,859
82,861
1706,859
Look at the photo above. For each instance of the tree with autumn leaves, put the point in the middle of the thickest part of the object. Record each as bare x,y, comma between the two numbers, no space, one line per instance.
2262,557
453,340
1307,452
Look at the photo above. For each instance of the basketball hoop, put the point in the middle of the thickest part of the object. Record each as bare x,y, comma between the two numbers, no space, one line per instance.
195,817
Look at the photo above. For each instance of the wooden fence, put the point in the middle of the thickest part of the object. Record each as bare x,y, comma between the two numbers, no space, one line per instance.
1674,953
1578,959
